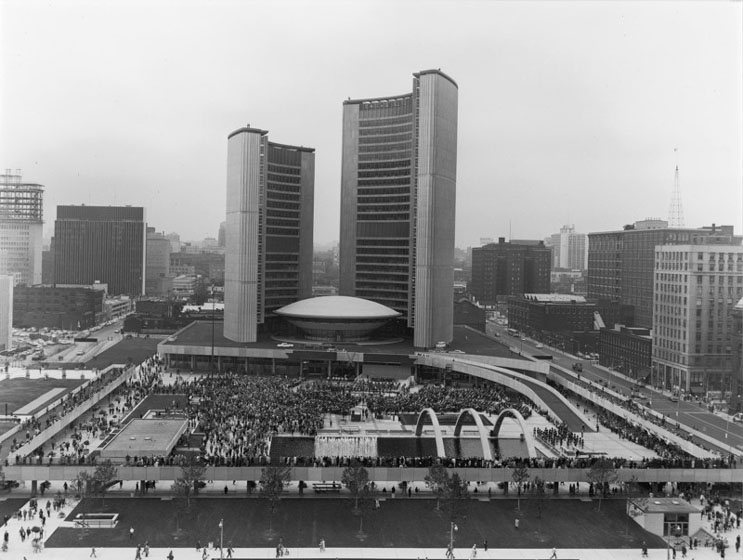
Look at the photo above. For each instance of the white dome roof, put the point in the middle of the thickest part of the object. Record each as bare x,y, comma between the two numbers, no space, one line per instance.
337,307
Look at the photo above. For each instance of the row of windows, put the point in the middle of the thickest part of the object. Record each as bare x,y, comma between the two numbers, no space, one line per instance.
386,242
386,173
384,130
390,147
392,164
373,191
402,181
272,168
392,198
386,139
290,179
377,156
379,217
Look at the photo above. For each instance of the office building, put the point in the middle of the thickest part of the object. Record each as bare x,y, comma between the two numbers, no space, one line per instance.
268,250
398,197
101,244
506,269
157,272
6,312
696,290
620,263
569,249
21,224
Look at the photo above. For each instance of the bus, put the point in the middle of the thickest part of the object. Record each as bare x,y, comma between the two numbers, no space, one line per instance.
513,332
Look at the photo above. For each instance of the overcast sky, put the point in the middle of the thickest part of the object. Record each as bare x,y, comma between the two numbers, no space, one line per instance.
568,112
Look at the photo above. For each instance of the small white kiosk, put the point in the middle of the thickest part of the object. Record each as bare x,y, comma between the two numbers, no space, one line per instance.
670,518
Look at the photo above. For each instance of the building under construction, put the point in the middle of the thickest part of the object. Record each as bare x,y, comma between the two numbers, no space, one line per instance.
21,224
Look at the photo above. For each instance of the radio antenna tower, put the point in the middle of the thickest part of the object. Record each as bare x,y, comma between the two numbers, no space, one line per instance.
676,210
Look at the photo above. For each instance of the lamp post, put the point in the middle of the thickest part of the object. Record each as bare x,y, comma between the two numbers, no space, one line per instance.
211,359
221,538
452,528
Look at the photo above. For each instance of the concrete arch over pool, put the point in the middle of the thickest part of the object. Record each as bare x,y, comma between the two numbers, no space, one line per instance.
431,413
516,415
484,438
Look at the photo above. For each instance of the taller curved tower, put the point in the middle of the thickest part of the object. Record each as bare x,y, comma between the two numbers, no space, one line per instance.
398,202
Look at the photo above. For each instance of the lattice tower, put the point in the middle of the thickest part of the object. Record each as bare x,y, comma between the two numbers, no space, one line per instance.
676,210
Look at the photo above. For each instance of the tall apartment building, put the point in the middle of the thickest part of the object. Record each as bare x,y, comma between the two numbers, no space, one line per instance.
505,269
101,243
569,249
268,246
157,271
398,197
21,224
621,263
6,311
696,288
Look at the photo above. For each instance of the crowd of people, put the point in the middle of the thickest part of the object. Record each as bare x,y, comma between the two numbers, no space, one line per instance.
490,400
559,436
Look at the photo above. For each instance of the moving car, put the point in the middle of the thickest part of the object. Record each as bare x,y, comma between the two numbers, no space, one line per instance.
577,366
738,417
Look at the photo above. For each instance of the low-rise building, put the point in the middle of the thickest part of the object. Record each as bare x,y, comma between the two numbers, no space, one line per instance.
59,307
537,314
627,349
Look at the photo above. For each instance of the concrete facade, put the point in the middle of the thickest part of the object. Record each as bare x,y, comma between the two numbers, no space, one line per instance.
398,201
696,289
268,245
21,224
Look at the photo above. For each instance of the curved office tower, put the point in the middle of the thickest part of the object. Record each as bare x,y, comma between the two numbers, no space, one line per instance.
398,198
268,246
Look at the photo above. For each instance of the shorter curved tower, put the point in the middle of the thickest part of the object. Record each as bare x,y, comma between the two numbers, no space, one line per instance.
268,245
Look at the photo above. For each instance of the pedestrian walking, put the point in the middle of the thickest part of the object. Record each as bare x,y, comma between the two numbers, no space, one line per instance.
322,545
146,549
205,554
229,550
485,545
554,553
473,554
170,555
92,553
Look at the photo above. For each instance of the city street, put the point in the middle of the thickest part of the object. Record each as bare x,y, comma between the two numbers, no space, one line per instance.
690,414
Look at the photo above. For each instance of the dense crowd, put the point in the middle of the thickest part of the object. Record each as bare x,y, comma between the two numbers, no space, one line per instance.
490,400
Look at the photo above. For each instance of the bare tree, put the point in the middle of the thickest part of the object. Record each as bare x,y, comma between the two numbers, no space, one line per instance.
188,484
519,474
273,482
601,474
437,480
355,478
104,475
456,498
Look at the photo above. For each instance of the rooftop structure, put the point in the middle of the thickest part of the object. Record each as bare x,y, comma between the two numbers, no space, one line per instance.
337,318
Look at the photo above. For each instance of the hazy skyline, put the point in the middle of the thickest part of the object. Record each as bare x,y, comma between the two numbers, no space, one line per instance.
569,113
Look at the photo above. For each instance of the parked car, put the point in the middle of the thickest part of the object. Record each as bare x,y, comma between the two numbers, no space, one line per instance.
738,417
577,366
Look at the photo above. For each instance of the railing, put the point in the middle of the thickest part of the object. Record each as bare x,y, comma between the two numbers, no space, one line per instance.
390,474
